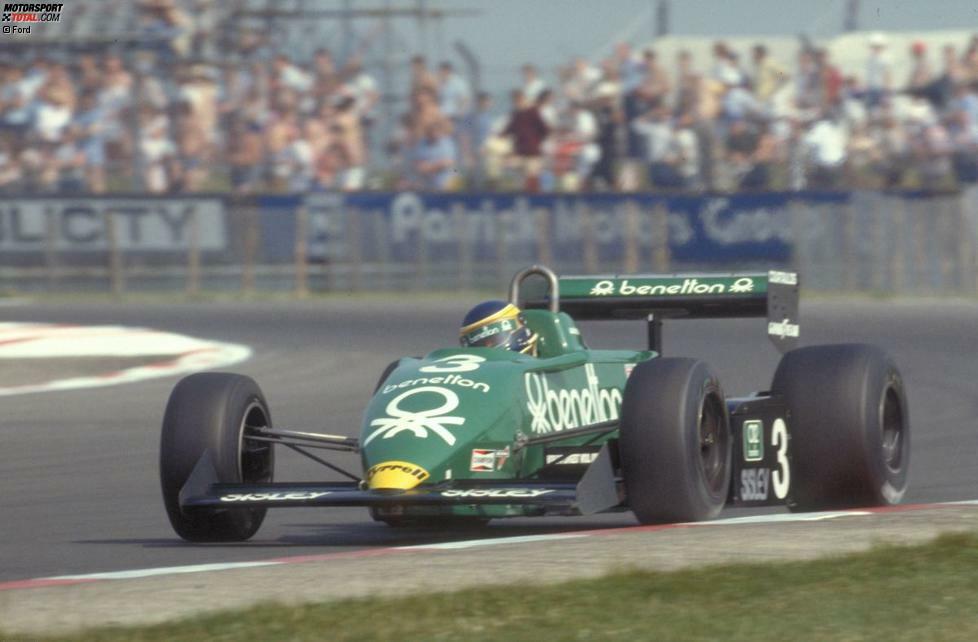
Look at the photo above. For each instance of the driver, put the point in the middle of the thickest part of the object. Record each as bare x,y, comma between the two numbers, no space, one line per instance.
497,324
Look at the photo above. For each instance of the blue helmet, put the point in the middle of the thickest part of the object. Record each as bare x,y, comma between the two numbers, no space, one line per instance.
497,324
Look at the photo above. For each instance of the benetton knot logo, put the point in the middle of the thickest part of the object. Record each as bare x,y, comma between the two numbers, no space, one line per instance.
418,423
744,284
602,288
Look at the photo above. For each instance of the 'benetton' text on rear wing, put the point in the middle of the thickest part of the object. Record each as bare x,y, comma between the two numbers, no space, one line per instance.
655,297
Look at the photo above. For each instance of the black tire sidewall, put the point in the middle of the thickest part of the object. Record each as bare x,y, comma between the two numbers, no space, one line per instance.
206,413
659,441
834,395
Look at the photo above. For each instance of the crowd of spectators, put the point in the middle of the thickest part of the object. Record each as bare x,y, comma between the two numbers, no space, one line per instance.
99,125
154,120
746,123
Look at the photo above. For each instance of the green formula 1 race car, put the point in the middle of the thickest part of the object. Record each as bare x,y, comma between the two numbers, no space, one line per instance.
468,434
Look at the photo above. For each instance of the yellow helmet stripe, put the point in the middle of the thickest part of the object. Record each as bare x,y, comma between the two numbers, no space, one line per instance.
510,311
531,345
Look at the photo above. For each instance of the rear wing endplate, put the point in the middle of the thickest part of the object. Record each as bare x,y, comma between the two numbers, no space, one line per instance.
655,297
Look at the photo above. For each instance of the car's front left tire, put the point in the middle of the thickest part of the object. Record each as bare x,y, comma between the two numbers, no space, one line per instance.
212,413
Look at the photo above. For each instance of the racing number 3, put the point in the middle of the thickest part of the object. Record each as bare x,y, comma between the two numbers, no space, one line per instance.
782,476
455,363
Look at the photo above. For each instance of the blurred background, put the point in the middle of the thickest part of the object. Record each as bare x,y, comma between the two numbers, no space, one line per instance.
318,145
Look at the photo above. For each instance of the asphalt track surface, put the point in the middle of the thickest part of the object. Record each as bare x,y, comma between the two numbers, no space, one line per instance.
78,470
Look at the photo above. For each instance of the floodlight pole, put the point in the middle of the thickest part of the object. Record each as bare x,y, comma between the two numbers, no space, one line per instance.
851,22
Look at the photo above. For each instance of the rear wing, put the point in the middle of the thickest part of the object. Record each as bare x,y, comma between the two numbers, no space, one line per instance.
655,297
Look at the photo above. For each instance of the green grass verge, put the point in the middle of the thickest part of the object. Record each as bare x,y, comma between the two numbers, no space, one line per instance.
926,592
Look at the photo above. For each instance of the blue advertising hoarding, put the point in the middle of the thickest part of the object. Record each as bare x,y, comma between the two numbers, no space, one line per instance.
702,229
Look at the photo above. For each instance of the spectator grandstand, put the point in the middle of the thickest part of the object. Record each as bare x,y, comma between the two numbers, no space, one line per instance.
169,96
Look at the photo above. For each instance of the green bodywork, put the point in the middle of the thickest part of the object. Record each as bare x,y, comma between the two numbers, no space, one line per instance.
461,413
465,414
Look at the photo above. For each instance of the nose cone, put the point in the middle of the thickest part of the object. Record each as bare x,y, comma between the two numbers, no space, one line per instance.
395,475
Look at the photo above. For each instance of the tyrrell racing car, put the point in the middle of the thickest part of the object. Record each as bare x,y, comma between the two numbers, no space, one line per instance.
468,434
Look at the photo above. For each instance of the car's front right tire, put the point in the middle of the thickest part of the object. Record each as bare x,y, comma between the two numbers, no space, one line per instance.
675,444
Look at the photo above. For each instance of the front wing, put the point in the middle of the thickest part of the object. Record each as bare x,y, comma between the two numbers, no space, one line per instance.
597,490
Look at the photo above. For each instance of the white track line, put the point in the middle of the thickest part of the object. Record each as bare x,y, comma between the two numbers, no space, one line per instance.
379,552
163,570
782,517
473,543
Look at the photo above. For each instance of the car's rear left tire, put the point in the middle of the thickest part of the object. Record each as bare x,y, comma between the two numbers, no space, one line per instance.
675,444
212,412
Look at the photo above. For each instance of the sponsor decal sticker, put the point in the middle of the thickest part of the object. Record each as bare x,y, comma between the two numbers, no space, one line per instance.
753,440
783,329
754,484
405,467
418,423
497,492
483,461
489,330
402,475
448,380
555,410
783,278
571,459
272,497
486,460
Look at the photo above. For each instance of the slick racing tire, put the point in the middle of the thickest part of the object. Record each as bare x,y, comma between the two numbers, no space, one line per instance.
212,412
391,367
849,426
675,444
